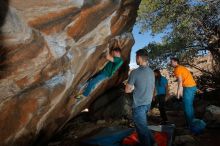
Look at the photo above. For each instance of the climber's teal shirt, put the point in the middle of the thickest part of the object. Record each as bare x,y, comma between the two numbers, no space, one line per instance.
111,67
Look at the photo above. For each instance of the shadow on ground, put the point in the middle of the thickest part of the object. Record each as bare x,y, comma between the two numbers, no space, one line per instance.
82,126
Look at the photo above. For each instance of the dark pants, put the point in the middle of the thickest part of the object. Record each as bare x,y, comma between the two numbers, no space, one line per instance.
161,100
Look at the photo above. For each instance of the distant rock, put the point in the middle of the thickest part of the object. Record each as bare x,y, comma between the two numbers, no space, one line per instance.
212,116
185,140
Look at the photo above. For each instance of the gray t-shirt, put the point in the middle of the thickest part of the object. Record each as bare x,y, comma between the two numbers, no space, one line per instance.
143,80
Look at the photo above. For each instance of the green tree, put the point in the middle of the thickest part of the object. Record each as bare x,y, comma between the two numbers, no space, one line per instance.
194,27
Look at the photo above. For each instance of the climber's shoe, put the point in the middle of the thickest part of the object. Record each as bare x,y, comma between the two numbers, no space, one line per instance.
80,96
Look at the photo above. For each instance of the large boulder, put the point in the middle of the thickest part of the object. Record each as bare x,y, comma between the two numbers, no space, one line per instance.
47,49
113,104
212,116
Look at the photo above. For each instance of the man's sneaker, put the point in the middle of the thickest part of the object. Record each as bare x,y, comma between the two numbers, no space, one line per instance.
80,96
131,125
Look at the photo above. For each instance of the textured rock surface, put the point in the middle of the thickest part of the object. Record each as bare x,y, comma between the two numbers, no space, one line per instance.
212,116
47,49
114,104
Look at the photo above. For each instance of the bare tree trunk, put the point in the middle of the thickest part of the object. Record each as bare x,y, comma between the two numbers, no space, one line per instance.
215,52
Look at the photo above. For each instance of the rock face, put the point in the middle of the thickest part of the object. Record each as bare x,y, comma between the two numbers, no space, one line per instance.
47,49
114,104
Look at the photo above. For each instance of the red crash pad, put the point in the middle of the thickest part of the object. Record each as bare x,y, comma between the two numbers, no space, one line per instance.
161,139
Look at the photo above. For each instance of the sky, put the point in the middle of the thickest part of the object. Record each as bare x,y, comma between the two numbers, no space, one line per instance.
142,40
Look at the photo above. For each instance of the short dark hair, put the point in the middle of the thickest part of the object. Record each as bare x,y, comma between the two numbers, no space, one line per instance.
116,49
157,71
175,59
143,54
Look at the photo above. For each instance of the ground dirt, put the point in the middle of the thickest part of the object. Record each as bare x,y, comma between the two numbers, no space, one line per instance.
82,126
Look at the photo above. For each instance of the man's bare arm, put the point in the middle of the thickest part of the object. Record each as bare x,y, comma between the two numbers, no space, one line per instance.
179,88
128,88
109,57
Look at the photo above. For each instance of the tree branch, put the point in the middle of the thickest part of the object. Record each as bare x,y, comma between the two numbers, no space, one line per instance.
200,69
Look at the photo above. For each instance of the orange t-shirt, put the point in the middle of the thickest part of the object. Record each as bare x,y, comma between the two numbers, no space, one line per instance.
187,77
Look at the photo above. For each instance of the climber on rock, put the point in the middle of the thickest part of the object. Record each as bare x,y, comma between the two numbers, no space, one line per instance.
114,62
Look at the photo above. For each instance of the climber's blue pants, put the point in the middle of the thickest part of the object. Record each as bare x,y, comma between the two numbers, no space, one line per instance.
94,82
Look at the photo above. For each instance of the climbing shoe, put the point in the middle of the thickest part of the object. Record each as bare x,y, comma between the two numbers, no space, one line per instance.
80,96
